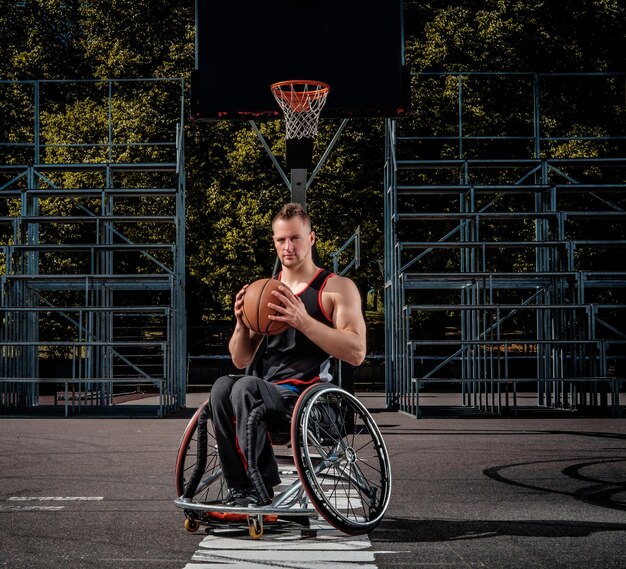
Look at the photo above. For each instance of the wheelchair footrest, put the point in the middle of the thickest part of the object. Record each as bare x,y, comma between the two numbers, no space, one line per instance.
248,511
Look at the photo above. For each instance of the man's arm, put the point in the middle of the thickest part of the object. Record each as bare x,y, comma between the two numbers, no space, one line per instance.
244,342
346,340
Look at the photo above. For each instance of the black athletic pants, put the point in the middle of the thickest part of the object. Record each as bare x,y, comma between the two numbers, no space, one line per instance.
233,397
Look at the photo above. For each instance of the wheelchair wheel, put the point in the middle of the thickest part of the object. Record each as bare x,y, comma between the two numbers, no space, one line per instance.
341,459
198,472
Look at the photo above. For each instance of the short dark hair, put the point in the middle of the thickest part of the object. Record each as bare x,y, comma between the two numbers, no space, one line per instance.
292,210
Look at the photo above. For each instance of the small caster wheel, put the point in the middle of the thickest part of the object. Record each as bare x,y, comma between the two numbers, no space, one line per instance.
255,528
191,524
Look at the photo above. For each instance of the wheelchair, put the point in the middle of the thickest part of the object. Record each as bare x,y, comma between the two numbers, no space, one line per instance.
338,461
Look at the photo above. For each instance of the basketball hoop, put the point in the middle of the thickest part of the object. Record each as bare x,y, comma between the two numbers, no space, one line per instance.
302,102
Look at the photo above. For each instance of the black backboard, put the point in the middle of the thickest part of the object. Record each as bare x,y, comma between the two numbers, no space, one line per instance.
243,46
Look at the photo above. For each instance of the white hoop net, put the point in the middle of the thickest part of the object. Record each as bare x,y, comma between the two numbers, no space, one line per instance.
302,103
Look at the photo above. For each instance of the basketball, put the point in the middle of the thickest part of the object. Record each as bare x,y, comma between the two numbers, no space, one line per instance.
256,311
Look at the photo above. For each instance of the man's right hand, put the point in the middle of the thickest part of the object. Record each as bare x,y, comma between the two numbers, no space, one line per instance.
244,342
239,305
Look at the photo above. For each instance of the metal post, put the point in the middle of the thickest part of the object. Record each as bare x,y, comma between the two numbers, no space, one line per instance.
89,288
298,186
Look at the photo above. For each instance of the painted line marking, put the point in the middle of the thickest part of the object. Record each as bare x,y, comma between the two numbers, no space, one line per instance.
12,503
229,548
30,508
280,564
285,549
287,541
55,498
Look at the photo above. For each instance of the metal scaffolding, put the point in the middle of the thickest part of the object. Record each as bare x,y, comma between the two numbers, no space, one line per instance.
504,249
92,249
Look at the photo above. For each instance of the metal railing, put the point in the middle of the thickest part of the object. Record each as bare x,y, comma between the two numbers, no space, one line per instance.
92,233
500,246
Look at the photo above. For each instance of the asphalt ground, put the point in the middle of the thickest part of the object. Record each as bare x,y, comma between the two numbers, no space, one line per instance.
494,492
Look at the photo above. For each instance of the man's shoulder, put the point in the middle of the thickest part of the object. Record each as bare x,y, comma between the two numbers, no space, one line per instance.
337,283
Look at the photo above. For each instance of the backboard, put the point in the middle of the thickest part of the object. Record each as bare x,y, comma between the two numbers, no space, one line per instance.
243,46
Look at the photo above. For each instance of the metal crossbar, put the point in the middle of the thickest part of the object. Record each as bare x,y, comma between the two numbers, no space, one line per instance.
92,285
509,291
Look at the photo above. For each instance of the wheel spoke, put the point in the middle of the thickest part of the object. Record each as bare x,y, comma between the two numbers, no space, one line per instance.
210,482
351,487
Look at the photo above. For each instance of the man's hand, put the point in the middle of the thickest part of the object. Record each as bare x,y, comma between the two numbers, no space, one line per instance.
238,308
345,339
244,342
290,310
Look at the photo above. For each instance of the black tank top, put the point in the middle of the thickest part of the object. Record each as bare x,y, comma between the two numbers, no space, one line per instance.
291,359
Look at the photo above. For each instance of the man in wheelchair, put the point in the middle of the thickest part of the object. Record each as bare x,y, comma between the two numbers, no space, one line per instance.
325,319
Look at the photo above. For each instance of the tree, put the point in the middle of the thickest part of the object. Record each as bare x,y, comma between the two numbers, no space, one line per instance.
516,36
232,188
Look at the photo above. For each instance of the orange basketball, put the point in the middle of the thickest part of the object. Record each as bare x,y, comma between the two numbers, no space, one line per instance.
256,311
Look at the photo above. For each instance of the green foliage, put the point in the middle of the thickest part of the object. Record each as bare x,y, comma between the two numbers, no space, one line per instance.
232,187
499,35
242,191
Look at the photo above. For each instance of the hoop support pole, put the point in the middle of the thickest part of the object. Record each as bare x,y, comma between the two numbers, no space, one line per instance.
327,151
270,154
299,186
307,182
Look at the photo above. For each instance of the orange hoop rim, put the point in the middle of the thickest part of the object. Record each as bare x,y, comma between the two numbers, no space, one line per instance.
321,91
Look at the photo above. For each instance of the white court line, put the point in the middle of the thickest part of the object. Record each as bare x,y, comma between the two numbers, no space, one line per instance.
288,550
30,508
287,541
55,498
285,548
43,508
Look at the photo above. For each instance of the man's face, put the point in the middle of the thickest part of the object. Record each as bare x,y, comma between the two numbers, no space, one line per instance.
293,240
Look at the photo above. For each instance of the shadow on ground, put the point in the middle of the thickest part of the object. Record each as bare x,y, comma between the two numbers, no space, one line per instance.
398,530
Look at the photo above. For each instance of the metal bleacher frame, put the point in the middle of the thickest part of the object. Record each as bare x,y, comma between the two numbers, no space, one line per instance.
466,303
92,254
